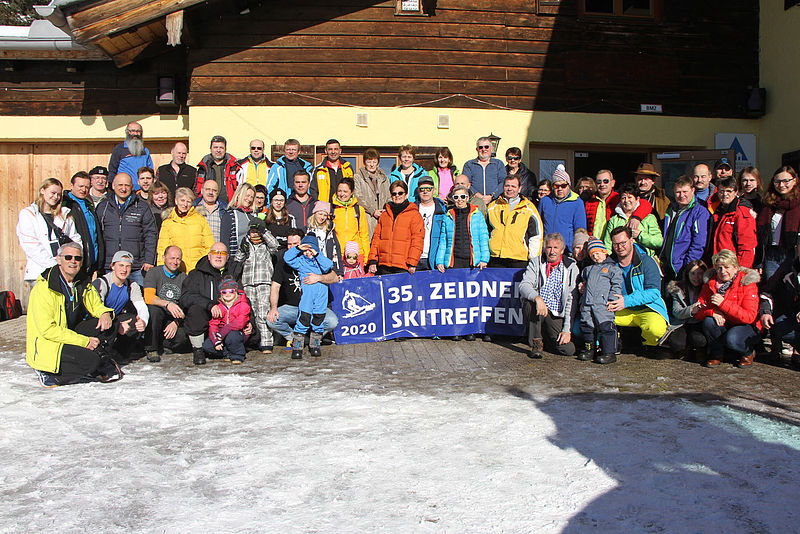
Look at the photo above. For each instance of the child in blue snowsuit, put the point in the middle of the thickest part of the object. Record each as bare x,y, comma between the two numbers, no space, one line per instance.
306,259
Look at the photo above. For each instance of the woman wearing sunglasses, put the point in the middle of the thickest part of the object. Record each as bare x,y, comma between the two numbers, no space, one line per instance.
464,241
399,236
527,179
43,227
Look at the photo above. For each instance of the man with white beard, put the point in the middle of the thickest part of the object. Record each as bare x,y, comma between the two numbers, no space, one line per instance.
130,155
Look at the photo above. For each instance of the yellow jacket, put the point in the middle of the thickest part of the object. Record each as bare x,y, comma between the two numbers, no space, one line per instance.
191,233
321,181
349,226
515,233
47,320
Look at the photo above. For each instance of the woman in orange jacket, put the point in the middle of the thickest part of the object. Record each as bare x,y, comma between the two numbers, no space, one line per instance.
399,236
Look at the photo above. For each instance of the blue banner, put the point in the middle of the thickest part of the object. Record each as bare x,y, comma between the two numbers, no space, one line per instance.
427,304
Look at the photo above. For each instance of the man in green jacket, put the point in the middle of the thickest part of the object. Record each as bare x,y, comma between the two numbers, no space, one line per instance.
68,326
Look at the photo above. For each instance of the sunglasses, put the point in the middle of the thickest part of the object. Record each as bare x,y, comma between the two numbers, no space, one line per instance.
513,158
603,181
484,147
70,257
256,148
459,197
351,256
398,193
227,291
426,189
219,252
560,186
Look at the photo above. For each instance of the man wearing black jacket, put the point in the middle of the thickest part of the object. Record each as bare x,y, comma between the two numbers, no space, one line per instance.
86,223
177,173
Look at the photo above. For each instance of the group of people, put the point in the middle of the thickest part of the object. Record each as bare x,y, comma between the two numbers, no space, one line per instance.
235,252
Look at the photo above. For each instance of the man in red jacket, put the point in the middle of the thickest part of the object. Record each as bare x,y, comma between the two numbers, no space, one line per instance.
733,223
601,206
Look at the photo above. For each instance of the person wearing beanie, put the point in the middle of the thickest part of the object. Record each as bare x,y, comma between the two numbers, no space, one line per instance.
253,266
600,282
277,218
306,259
226,338
353,262
562,210
579,251
320,225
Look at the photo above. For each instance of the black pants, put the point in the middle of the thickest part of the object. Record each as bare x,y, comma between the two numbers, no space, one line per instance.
689,336
78,364
385,269
154,334
196,321
546,328
508,263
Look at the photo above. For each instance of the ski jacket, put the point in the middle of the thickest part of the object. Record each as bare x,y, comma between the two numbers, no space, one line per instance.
122,160
413,180
253,172
687,241
398,242
82,227
277,175
231,170
644,279
201,286
740,302
191,234
324,183
132,229
485,180
38,241
734,228
329,246
234,318
599,211
515,233
563,216
350,222
478,236
649,237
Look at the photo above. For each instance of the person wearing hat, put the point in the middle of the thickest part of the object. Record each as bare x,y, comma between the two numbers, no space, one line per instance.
432,210
306,260
599,283
185,228
226,333
253,267
645,177
126,299
99,188
722,169
277,218
562,211
68,326
321,226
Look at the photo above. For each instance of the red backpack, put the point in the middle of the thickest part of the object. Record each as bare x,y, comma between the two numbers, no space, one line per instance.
10,307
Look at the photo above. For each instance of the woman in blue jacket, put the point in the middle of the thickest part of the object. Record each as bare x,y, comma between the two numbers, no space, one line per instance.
464,240
408,172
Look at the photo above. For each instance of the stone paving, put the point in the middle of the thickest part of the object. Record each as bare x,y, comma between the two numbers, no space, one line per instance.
440,366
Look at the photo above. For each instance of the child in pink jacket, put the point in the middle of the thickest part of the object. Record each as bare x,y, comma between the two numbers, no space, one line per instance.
225,336
353,262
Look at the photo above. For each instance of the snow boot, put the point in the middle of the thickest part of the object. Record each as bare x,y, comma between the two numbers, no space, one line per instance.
587,353
605,358
199,356
298,341
313,347
153,356
537,346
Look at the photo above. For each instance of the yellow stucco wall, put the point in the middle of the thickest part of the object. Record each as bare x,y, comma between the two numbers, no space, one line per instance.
314,125
780,76
111,127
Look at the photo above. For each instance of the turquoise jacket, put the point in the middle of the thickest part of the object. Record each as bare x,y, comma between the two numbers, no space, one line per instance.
413,181
478,234
277,175
644,279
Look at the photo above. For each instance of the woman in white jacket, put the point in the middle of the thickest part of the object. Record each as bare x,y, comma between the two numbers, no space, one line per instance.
43,227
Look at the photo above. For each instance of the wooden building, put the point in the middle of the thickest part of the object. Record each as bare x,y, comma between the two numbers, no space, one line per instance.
591,83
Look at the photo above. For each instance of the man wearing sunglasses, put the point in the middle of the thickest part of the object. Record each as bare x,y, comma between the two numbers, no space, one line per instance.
562,211
199,296
255,167
602,204
68,326
485,172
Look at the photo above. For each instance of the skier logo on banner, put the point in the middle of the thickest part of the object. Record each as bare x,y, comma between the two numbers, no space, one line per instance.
355,304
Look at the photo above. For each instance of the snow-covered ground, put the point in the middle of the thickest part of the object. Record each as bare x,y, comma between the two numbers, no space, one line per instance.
171,449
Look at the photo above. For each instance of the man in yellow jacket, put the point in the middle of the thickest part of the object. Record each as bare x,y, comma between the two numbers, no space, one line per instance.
69,327
326,176
516,228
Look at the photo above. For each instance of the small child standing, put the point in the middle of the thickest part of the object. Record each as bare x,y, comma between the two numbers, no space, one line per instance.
353,262
600,282
225,336
306,259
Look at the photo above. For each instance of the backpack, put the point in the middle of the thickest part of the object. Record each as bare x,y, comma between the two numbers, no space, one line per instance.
10,307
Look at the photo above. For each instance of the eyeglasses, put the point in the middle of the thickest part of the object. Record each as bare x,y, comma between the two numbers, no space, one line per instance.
513,158
603,181
398,193
219,252
256,148
783,182
484,147
459,197
426,189
560,186
70,257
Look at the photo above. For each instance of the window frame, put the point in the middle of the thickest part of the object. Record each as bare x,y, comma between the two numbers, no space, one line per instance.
656,15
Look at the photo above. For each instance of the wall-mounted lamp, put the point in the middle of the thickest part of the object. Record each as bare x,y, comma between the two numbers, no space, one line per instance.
495,143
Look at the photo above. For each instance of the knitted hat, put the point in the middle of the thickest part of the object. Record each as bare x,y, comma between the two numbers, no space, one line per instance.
560,174
321,205
277,191
579,239
258,225
311,240
228,283
595,244
351,247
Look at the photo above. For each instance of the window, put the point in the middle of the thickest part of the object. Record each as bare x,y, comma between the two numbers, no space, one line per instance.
649,9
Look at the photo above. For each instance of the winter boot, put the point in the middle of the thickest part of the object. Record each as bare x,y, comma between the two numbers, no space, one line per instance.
298,342
153,356
314,343
746,360
587,353
199,356
537,346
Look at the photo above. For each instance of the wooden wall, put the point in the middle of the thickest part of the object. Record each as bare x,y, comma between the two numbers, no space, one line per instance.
698,60
23,166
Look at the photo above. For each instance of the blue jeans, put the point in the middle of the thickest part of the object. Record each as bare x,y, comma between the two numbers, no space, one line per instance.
739,339
287,318
137,276
786,328
773,257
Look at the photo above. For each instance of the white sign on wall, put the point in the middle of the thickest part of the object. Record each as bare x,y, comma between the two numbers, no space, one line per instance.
743,144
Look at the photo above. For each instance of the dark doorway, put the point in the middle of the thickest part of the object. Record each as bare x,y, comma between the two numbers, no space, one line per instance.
621,164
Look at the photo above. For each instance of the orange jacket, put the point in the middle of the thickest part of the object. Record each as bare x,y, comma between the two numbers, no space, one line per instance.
398,242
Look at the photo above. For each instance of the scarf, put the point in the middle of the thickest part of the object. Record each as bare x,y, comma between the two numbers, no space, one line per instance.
397,209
